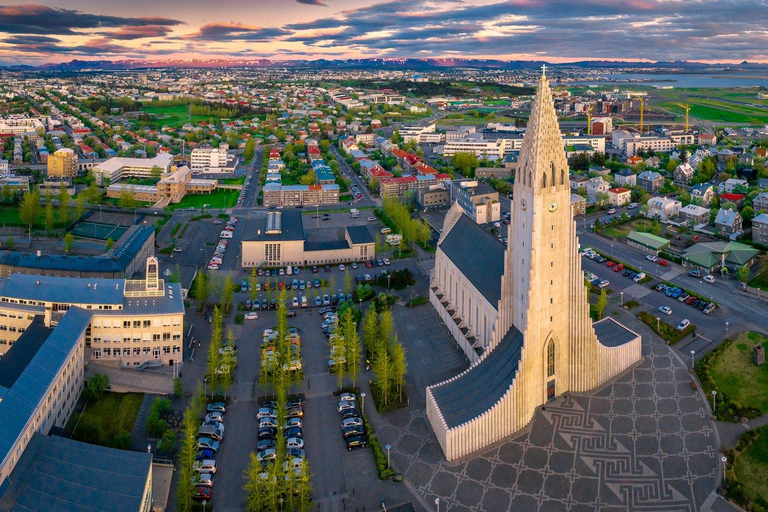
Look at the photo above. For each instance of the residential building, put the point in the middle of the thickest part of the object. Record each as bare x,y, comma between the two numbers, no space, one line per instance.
492,298
479,201
206,159
498,173
578,204
436,196
683,174
62,164
703,193
626,178
276,194
3,166
633,143
279,239
760,229
663,208
421,134
619,196
694,215
597,186
730,197
577,181
133,321
728,222
115,169
707,139
760,202
650,181
171,188
732,184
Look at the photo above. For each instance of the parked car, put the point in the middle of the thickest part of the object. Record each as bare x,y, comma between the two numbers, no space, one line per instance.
265,444
294,442
251,316
216,407
695,273
356,442
666,310
709,278
267,433
266,412
349,422
683,325
352,430
346,405
206,443
292,432
205,466
267,455
203,492
652,258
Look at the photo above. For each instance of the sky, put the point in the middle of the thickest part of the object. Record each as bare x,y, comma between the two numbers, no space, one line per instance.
551,30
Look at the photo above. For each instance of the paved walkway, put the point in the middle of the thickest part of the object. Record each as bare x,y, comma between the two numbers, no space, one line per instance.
642,442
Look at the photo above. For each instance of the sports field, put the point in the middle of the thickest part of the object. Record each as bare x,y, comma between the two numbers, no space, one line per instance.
99,231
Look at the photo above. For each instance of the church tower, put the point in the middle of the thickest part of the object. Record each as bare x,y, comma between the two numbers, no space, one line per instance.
544,343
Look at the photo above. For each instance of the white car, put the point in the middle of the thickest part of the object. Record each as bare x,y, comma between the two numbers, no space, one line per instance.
252,316
342,267
682,325
666,310
294,442
709,279
386,261
295,302
651,257
611,211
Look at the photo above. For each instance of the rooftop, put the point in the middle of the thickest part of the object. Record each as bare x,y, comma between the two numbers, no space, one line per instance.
163,160
18,357
291,228
611,333
648,240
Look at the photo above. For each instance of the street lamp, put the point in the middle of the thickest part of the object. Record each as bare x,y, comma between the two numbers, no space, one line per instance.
724,460
726,328
204,504
437,502
388,447
362,402
658,328
622,299
714,394
693,361
281,503
205,386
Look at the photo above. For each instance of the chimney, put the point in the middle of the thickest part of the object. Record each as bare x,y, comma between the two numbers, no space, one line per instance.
39,253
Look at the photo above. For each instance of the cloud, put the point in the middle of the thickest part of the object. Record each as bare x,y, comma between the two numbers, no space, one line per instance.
128,33
40,19
221,31
318,3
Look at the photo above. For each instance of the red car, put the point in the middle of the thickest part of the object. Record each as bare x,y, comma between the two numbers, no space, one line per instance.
663,263
368,264
618,267
202,493
610,264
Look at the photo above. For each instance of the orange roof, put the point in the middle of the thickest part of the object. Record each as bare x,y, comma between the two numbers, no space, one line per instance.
619,190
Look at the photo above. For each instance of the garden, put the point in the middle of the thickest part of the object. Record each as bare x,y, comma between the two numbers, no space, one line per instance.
747,471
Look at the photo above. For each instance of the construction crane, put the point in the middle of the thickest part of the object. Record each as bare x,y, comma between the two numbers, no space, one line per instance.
642,104
687,109
589,119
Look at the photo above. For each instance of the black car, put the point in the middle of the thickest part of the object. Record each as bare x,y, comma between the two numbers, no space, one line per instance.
326,309
268,433
292,432
327,268
355,442
272,304
270,404
353,430
293,402
296,452
374,263
703,305
291,313
696,303
350,413
265,444
314,269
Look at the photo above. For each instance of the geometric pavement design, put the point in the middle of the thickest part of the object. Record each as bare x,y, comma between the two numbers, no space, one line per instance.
644,442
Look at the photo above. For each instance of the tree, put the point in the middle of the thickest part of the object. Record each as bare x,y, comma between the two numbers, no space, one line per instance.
602,302
248,154
64,210
10,243
228,294
95,388
127,199
309,178
743,274
29,209
50,216
213,365
466,163
155,172
656,227
256,487
351,343
69,242
747,213
672,165
382,369
253,281
80,206
92,194
399,366
185,486
200,290
396,138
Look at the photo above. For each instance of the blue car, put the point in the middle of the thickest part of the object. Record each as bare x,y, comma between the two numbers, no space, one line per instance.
205,454
596,281
678,292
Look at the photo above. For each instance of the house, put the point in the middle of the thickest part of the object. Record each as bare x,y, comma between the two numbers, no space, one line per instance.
578,181
728,222
737,199
760,229
732,183
683,174
747,159
707,139
619,196
578,204
760,202
663,208
703,193
650,181
626,178
694,214
597,186
600,171
634,160
762,183
652,161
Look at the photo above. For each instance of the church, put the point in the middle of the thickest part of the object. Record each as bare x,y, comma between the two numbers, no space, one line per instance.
520,312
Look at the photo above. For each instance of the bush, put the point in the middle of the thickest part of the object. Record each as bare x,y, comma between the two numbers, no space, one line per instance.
168,442
239,318
178,389
122,441
417,301
95,388
398,279
663,329
156,425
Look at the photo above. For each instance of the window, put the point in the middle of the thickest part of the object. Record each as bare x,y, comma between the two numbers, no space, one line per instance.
551,358
147,323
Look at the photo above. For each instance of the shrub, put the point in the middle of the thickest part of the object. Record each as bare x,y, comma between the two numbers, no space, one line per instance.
178,389
95,388
417,301
122,441
156,425
168,442
239,318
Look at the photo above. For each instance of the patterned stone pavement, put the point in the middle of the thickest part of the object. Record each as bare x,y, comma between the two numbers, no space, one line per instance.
642,443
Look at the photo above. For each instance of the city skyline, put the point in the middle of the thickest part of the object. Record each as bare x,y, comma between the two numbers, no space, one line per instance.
556,31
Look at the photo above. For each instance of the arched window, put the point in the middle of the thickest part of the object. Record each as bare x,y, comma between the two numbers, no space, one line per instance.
544,181
551,358
562,177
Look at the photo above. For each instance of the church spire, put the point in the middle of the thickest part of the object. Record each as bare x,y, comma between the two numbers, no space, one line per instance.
542,160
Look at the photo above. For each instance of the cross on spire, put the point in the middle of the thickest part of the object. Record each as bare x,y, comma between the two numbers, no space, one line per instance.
543,70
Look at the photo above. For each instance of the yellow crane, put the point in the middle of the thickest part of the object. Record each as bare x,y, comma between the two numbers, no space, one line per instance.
589,119
642,104
687,109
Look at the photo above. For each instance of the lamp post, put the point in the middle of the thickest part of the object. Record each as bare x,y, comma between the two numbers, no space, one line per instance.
204,504
205,386
693,361
362,402
724,460
388,447
622,299
658,328
281,503
437,503
727,325
714,394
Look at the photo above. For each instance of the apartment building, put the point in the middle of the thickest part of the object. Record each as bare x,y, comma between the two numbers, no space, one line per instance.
422,134
760,229
171,188
117,168
132,321
207,159
633,143
62,164
276,194
479,201
663,208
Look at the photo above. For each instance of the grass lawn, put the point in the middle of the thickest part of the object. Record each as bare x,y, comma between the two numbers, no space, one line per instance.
115,412
736,375
760,281
714,110
174,116
222,198
751,469
617,231
233,181
9,216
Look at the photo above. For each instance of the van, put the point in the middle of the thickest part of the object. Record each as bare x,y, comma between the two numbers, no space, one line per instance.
354,211
209,431
631,206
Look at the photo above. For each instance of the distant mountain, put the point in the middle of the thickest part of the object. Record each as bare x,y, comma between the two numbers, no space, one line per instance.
374,63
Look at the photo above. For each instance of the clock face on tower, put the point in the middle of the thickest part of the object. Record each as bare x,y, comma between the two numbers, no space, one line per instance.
553,206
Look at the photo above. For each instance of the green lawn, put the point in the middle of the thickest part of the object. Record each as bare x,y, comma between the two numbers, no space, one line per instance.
736,375
222,198
9,216
760,281
233,181
751,468
101,422
714,110
174,116
623,230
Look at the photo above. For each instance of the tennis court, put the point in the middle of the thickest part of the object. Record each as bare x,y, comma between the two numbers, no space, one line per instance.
99,231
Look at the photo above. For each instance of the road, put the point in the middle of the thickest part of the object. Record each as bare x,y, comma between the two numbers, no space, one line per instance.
348,172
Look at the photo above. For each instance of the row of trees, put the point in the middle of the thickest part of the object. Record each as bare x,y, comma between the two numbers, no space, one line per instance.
345,347
279,484
387,358
413,230
207,285
220,363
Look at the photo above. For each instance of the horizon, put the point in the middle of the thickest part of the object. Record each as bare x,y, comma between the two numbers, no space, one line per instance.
556,31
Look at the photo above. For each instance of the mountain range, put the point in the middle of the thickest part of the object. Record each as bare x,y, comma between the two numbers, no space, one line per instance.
374,63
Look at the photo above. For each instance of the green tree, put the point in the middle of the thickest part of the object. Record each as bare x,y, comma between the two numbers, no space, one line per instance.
64,210
466,163
69,242
92,194
743,274
155,172
248,154
602,302
396,138
257,488
253,281
200,290
228,294
399,366
10,243
370,330
50,215
656,227
351,344
213,364
185,486
80,206
382,370
29,209
127,199
95,388
108,245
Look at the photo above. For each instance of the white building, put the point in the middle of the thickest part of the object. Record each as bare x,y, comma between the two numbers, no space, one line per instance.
421,134
210,160
117,168
663,208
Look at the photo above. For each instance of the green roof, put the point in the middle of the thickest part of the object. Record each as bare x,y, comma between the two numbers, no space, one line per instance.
709,254
648,240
